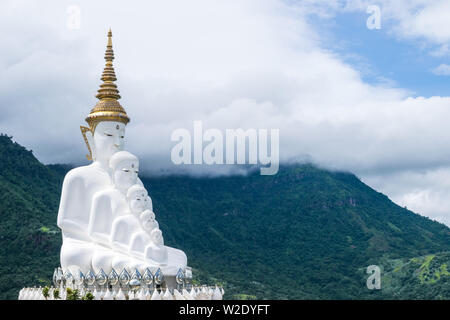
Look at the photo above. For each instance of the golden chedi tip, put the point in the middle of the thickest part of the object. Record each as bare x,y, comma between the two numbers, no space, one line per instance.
107,108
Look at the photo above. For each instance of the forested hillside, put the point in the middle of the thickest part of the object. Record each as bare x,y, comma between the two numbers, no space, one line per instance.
305,233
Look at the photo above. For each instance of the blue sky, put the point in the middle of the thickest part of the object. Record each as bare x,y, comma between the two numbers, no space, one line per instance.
381,56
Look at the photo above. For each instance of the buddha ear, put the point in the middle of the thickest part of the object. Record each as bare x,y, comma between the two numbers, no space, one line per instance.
89,140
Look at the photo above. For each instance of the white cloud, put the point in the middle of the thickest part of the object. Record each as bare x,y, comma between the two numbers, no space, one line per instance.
233,64
420,190
422,19
442,70
441,51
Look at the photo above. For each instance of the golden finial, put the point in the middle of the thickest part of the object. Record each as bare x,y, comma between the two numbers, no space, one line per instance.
108,89
107,108
109,38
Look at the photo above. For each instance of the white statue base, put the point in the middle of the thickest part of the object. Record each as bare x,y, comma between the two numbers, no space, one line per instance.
150,286
192,293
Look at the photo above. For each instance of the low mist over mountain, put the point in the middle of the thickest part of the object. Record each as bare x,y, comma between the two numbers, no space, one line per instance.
305,233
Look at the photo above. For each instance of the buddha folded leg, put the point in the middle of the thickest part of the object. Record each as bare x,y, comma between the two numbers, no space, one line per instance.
156,254
137,264
176,257
102,259
76,255
168,259
121,261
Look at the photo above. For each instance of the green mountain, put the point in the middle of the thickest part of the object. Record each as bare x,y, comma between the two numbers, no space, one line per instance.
427,277
305,233
29,237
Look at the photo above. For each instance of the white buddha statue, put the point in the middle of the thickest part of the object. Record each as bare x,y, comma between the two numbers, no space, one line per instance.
104,137
140,240
97,220
155,250
124,226
148,221
108,205
79,186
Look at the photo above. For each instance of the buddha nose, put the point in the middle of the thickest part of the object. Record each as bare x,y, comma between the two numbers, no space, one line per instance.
117,141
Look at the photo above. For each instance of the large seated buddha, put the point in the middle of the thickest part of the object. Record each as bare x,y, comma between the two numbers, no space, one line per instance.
87,241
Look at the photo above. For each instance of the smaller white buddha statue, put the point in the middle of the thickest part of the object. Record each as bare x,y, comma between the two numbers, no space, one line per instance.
148,220
141,239
109,204
156,251
124,226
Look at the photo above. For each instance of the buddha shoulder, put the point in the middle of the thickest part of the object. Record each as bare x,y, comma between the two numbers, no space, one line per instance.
86,175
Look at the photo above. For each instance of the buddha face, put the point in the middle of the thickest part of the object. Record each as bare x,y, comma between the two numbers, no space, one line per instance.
126,174
137,201
148,220
108,138
157,237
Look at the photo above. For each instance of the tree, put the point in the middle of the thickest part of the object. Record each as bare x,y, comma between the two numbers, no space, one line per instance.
45,292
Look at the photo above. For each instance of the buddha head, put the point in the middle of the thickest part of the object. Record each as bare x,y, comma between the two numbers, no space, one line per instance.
124,170
148,222
107,139
107,119
156,237
136,195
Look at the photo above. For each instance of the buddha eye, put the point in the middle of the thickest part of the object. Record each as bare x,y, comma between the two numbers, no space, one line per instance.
126,170
122,137
136,171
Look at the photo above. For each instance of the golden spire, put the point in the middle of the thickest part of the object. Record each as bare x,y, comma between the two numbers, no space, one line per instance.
107,108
